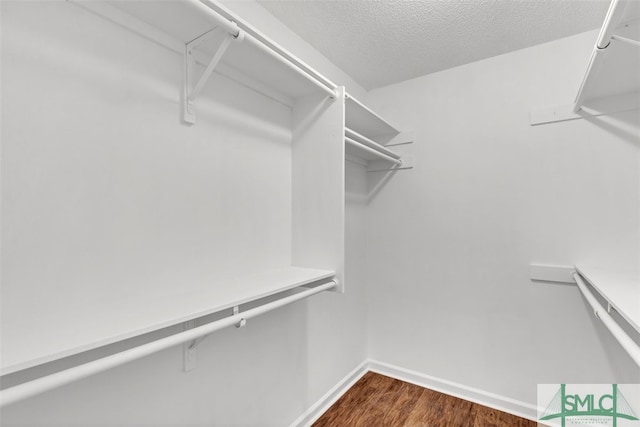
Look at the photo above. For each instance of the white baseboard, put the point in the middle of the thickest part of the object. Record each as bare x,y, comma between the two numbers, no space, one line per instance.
325,402
481,397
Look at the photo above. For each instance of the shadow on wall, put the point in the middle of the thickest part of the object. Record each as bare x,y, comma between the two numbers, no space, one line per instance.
377,181
623,125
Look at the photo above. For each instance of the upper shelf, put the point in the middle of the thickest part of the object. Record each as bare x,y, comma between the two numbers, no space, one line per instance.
362,120
367,136
175,23
620,289
611,83
614,68
41,338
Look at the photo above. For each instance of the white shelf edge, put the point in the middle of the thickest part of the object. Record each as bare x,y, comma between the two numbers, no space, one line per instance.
367,109
618,303
564,274
302,276
616,17
374,118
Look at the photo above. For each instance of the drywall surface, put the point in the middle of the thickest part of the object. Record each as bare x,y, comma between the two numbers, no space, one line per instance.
104,189
450,242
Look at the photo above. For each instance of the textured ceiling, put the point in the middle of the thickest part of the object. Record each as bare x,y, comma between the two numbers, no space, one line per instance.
386,41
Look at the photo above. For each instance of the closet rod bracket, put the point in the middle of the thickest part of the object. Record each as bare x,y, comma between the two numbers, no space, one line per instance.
242,322
192,87
190,348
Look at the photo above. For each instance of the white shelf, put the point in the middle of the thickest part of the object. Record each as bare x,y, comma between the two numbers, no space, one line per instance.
618,73
615,69
620,289
367,136
175,23
43,338
362,120
611,83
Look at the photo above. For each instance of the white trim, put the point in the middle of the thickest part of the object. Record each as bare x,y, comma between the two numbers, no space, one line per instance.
481,397
320,407
552,273
485,398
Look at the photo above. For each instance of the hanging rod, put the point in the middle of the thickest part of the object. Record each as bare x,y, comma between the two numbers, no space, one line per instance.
58,379
370,143
618,333
368,149
611,21
226,13
264,45
217,19
626,40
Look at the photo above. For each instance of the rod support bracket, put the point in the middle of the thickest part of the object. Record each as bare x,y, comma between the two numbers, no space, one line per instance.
242,322
192,87
189,349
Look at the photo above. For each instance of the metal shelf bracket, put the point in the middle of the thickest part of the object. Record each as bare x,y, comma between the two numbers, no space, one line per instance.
191,87
189,348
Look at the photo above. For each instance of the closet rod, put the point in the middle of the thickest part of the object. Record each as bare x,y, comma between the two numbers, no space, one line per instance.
614,14
224,12
58,379
361,146
626,40
281,56
611,21
619,334
370,143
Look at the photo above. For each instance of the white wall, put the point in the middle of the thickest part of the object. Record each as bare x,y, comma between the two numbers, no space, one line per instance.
450,242
104,189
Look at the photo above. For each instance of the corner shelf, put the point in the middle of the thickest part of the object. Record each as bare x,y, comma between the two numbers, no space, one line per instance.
610,84
368,135
620,289
45,338
614,66
363,120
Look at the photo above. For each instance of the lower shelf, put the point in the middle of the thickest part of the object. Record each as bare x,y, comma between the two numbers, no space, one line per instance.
620,289
32,341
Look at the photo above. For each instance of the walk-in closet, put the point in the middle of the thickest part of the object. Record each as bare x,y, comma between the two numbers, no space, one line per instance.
319,212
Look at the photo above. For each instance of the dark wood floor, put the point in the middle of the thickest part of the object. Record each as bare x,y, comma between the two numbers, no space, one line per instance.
376,400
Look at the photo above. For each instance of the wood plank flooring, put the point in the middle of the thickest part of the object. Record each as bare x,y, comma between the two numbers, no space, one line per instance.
377,401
